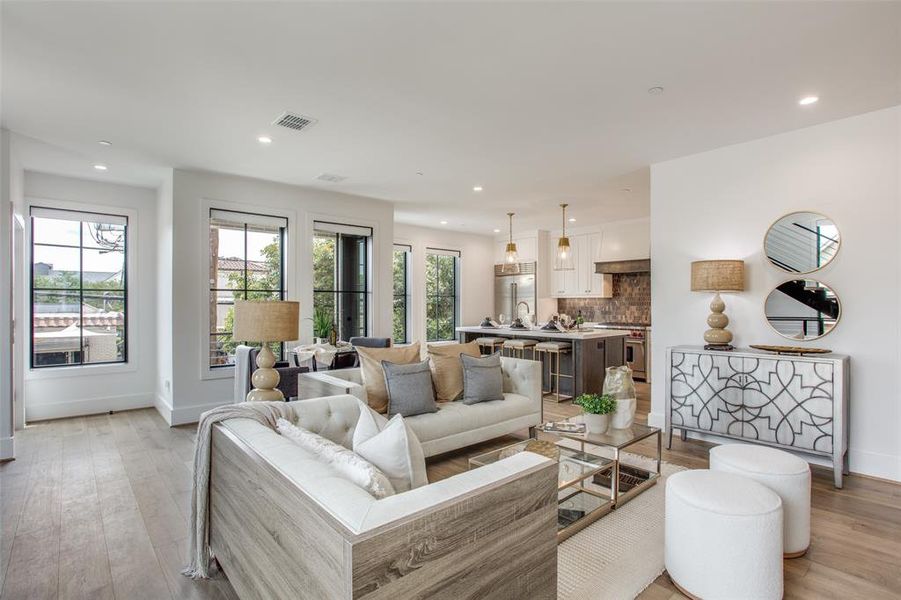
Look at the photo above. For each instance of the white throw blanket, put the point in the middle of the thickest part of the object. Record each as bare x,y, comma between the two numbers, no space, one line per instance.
266,413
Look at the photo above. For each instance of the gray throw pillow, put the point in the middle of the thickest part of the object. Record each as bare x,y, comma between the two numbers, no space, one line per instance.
410,390
482,379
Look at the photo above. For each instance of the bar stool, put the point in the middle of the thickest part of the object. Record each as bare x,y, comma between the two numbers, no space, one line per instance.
517,348
552,351
492,344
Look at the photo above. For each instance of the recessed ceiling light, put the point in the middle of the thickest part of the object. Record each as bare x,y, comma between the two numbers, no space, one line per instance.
264,139
572,219
477,188
497,231
444,222
419,172
808,100
105,143
100,167
656,90
627,190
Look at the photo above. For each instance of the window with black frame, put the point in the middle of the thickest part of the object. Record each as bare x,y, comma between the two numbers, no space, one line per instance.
247,262
341,293
441,270
401,307
79,288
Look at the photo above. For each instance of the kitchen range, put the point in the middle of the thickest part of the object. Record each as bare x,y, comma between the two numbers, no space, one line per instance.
638,347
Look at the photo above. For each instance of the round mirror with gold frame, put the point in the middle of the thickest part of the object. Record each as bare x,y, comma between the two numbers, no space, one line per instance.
802,309
802,242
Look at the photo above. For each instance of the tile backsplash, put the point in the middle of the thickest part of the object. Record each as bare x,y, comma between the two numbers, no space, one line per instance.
631,302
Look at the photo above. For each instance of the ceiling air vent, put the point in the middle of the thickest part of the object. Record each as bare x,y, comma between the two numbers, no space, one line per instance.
331,178
294,121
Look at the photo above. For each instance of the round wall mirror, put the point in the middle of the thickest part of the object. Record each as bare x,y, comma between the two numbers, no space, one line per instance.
802,309
802,242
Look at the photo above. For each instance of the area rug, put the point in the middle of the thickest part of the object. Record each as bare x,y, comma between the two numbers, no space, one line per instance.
621,554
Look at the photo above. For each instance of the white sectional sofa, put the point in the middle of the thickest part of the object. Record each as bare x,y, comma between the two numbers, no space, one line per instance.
284,525
455,425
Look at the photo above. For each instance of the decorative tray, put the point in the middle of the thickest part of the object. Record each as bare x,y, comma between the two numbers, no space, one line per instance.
790,349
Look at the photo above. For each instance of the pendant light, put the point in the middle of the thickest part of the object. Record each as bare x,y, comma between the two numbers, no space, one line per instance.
563,261
510,256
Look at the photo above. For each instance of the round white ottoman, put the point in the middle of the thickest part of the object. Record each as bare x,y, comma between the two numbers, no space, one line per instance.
785,474
723,536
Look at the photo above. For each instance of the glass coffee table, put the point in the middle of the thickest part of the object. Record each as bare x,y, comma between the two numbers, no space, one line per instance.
580,499
625,480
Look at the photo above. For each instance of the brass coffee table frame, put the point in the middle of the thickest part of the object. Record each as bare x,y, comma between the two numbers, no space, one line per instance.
618,440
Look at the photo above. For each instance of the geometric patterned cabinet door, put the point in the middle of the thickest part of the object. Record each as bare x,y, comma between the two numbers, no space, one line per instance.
792,402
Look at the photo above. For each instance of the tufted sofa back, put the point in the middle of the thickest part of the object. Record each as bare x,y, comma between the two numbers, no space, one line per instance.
332,417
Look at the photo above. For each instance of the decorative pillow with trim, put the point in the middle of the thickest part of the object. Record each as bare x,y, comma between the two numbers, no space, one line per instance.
347,464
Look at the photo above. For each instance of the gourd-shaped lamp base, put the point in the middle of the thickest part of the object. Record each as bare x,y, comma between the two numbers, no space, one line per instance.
717,337
265,379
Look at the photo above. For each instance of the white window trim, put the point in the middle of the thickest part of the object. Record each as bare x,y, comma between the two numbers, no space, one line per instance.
291,260
131,285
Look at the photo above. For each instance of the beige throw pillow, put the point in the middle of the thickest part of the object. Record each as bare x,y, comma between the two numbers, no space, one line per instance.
373,374
447,370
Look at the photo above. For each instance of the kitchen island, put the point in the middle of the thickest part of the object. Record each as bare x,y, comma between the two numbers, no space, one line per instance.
593,350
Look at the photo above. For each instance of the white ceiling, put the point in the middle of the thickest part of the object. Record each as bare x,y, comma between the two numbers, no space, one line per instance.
539,103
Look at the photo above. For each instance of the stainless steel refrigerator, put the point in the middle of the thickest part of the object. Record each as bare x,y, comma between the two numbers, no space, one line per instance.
515,292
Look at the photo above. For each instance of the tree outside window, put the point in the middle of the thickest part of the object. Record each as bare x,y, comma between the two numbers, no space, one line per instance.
441,296
401,305
341,279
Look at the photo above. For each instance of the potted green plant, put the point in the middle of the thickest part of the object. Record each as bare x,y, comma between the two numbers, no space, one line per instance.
322,325
596,411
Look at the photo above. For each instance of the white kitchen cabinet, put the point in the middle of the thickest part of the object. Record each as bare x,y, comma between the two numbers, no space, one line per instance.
582,281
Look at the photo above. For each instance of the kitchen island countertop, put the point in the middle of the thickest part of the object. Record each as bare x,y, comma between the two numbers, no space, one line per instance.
583,334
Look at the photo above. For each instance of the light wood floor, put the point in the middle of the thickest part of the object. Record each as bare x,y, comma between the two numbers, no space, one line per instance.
97,507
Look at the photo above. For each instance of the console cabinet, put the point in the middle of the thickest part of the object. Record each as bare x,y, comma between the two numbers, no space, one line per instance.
791,402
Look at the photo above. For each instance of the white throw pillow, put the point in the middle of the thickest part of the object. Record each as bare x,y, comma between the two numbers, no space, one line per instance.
392,447
346,463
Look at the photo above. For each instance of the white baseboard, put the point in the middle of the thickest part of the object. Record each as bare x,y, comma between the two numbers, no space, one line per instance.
164,408
862,462
86,406
7,448
874,464
191,414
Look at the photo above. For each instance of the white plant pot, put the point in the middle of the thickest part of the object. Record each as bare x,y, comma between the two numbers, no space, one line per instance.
596,423
625,413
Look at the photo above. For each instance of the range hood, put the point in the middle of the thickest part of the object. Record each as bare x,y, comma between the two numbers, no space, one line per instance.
623,266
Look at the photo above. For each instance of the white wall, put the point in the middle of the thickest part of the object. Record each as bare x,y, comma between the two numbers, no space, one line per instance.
7,449
67,391
719,204
164,237
476,273
196,388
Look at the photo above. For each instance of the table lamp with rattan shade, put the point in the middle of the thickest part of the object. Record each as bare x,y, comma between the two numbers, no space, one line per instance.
266,321
718,276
